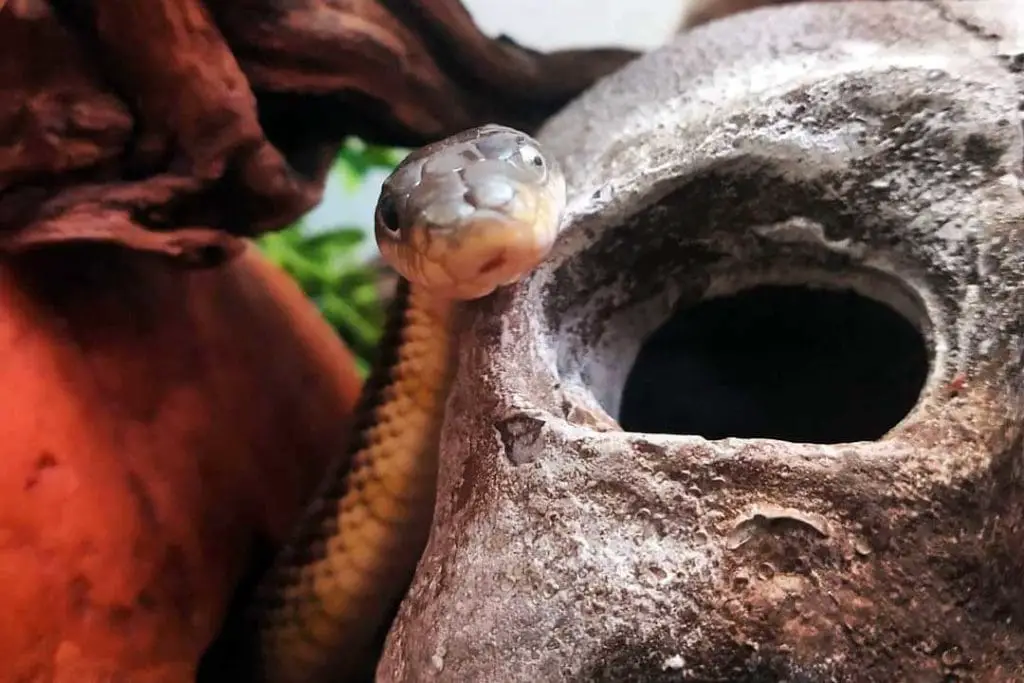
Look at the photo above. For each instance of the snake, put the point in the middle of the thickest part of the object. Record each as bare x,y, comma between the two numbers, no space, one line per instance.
456,219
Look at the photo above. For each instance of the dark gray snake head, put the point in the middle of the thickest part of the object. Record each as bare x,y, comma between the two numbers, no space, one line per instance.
467,214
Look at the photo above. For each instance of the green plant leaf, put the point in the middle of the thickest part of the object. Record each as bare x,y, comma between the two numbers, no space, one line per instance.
329,265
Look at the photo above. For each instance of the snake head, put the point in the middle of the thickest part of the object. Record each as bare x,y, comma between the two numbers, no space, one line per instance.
470,213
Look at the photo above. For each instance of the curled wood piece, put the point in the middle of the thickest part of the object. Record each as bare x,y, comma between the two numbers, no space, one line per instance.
137,123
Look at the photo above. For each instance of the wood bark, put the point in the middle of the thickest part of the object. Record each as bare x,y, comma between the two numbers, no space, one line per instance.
177,125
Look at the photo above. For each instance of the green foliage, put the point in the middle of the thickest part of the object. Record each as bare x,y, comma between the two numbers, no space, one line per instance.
330,265
356,159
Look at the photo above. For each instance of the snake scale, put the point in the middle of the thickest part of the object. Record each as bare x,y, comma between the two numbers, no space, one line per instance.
456,219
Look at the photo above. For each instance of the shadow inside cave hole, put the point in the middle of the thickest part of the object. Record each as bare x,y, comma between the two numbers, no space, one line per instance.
782,362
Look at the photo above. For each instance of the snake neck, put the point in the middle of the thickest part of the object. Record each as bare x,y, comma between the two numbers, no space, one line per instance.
413,369
333,589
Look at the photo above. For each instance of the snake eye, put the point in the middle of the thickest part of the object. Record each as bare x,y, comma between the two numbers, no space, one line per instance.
532,156
387,213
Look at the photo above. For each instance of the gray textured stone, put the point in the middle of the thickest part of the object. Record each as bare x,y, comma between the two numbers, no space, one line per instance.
870,146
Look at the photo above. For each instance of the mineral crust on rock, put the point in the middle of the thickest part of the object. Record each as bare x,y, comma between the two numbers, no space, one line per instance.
875,148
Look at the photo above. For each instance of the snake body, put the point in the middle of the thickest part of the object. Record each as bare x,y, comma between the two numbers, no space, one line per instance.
456,219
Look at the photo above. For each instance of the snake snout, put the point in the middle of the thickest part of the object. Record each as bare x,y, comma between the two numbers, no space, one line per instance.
483,257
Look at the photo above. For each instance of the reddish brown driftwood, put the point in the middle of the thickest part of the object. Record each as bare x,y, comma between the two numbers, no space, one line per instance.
159,124
158,425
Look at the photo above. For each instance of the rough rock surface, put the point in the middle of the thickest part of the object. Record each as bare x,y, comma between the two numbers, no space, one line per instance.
699,12
876,147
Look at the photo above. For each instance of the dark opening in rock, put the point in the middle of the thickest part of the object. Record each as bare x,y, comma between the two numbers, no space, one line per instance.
780,362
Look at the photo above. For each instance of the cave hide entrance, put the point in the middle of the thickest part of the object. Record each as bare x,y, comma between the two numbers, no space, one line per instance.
786,362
